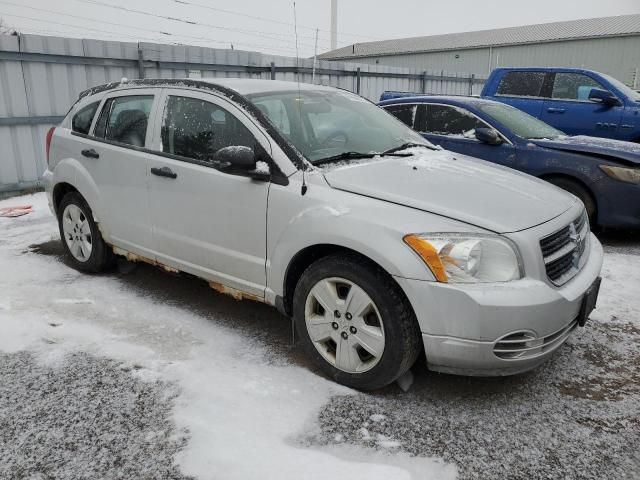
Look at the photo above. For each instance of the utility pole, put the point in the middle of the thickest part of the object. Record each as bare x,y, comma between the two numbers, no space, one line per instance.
334,24
315,59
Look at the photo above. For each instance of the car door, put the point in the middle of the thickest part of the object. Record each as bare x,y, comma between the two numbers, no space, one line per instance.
113,155
205,221
525,90
570,110
453,128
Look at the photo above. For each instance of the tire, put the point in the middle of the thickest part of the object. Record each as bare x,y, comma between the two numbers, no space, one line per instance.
581,192
388,320
79,232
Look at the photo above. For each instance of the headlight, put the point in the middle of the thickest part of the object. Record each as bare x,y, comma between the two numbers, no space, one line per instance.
460,258
628,175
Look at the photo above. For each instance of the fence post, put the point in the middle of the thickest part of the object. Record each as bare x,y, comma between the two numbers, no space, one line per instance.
423,82
358,81
273,70
140,62
471,81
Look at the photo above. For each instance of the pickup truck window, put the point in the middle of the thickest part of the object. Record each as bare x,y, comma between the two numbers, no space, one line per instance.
125,119
573,86
522,84
197,129
449,120
81,122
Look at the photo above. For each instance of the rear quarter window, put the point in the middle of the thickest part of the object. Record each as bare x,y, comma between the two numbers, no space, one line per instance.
522,84
81,121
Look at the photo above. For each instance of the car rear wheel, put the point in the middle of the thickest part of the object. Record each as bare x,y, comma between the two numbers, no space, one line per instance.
80,235
355,323
581,192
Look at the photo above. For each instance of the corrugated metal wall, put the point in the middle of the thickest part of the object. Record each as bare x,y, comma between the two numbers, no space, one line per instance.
42,76
618,56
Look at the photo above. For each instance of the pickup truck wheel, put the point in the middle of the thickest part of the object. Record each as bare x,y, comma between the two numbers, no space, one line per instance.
579,191
355,323
80,235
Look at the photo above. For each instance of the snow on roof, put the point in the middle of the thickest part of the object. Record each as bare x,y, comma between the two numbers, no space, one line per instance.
621,25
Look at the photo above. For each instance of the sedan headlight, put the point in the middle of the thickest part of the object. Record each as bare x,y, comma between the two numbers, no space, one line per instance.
624,174
461,258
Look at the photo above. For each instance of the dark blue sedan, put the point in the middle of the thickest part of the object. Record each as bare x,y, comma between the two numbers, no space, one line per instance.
604,174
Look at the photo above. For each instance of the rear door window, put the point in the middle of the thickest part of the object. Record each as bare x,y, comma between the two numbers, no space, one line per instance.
573,86
81,121
450,120
523,84
125,119
406,113
197,129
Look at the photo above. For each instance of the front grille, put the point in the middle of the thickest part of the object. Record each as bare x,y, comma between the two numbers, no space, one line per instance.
525,344
562,251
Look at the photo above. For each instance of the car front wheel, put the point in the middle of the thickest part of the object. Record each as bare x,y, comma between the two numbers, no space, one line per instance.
355,323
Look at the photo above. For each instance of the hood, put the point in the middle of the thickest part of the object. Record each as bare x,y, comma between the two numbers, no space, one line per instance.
624,152
467,189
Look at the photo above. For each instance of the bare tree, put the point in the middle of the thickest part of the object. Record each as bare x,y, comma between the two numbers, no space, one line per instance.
6,29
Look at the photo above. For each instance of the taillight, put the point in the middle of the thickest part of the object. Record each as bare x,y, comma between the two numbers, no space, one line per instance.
48,141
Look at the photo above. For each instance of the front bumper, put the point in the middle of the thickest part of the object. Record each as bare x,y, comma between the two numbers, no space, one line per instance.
461,324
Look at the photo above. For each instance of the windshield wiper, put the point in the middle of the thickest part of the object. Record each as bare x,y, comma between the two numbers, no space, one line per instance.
404,146
344,156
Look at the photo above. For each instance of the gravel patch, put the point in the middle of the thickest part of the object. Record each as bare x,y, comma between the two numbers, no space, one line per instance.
576,417
86,417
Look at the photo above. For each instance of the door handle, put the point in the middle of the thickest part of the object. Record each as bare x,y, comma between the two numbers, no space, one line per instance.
556,110
164,172
91,153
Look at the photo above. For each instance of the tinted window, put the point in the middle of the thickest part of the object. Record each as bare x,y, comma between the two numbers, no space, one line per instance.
197,129
448,120
522,84
573,86
81,121
405,113
125,119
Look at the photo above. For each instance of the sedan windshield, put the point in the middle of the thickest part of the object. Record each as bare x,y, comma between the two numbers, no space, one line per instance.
327,125
520,123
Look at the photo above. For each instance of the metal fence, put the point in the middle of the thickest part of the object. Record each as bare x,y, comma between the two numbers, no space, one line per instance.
41,77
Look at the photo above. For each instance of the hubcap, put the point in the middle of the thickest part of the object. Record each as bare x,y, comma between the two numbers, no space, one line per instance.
77,233
344,325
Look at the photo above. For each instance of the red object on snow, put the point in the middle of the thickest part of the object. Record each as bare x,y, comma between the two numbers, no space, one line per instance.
13,212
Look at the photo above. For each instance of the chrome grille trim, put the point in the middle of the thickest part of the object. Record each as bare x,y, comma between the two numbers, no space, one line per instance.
524,344
563,251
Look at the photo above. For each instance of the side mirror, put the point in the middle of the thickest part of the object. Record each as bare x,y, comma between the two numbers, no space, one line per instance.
241,160
488,136
235,157
603,96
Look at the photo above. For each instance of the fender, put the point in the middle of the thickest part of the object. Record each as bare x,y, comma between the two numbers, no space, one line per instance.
71,171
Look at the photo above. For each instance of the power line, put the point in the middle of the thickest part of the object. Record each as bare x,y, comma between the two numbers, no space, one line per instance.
262,19
140,37
166,34
190,22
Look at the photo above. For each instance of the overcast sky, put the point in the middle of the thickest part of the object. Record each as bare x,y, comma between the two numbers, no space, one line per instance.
267,25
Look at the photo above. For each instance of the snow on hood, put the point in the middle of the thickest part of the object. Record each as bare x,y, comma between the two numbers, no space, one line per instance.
463,188
626,152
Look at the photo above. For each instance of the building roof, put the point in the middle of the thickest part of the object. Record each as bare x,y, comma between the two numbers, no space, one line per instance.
622,25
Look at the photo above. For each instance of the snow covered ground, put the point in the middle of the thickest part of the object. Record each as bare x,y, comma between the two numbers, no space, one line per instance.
141,374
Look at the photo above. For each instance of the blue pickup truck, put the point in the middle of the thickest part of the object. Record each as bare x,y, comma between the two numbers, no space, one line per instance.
576,101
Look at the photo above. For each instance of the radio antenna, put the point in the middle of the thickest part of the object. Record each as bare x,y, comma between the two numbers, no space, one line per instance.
303,190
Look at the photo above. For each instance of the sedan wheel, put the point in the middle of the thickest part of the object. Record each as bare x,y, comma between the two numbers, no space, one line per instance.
344,325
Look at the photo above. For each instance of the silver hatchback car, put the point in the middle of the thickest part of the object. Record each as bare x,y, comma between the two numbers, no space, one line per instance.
312,199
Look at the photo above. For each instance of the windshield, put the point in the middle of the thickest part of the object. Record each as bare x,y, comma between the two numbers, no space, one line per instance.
627,91
323,124
520,123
